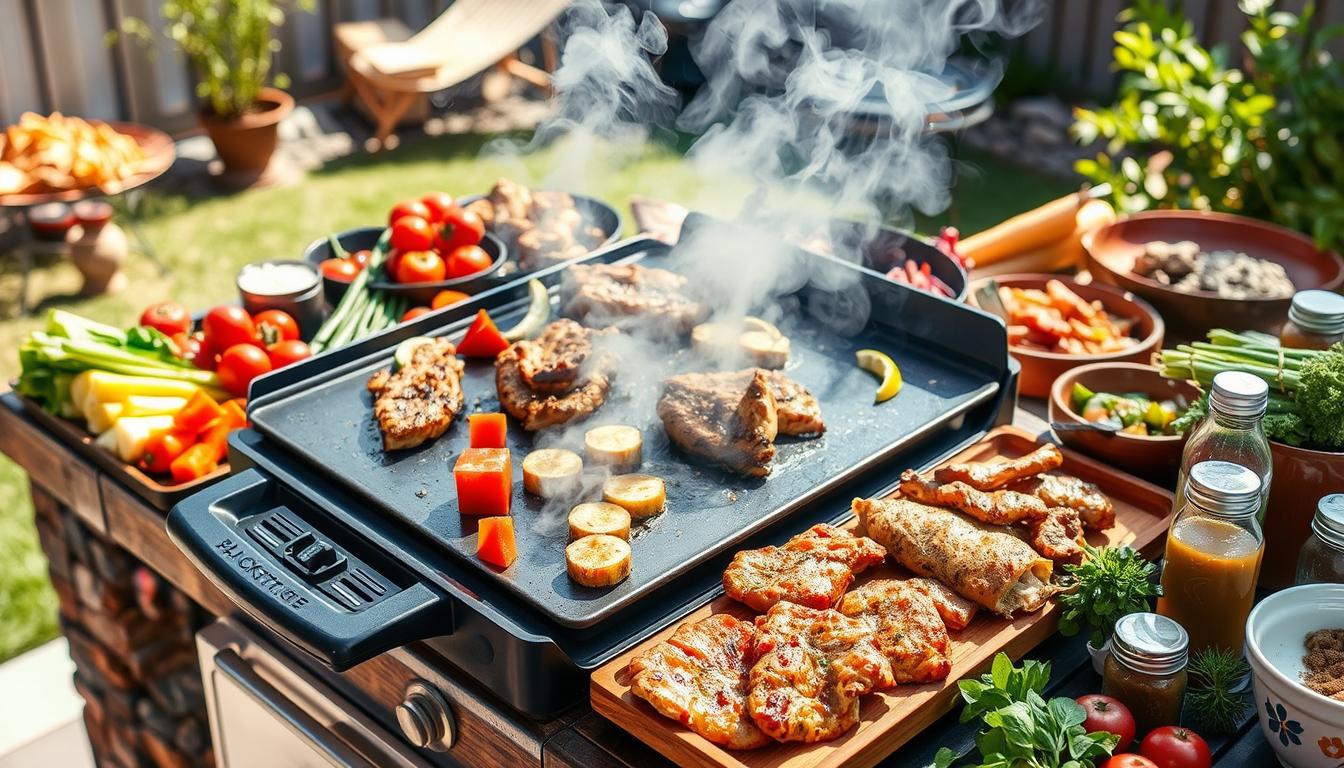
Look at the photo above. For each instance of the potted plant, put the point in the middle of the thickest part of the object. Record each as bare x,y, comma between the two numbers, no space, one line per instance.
1111,582
230,46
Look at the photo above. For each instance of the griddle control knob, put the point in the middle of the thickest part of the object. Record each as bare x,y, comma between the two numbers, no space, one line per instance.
425,718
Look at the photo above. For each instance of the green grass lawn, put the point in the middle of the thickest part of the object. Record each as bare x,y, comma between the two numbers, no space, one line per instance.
204,241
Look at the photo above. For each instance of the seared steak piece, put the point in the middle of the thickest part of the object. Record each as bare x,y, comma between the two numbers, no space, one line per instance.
626,295
555,378
420,400
732,418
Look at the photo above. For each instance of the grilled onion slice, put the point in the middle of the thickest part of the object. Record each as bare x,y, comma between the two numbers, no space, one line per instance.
616,445
594,517
640,495
598,561
552,472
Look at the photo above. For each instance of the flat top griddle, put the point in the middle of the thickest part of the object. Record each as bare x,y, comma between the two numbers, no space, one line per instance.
329,423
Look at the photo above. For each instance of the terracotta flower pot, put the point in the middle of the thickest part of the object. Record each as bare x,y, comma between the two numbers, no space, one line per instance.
1301,478
245,144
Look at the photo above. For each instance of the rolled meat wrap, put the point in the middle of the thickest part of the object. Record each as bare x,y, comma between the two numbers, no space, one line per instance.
983,563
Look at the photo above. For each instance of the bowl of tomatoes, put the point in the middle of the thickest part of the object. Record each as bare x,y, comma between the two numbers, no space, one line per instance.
422,274
339,267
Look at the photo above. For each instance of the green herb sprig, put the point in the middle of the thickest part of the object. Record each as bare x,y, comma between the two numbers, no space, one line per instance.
1111,582
1215,673
1022,729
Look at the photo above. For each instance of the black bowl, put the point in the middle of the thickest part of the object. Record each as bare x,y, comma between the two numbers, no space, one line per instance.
888,248
421,294
357,239
594,211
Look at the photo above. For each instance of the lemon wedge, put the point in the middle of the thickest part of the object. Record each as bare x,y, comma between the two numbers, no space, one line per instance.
881,364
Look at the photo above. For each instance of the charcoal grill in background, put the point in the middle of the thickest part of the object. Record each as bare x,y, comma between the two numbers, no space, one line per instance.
346,552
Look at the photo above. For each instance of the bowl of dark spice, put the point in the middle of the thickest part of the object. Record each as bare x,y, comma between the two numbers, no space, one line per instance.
1295,646
1206,270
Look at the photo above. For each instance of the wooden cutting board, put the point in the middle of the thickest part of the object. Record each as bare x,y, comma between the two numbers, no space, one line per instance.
890,718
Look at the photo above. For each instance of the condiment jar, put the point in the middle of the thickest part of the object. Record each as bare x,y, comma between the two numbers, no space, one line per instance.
1213,556
1233,431
1146,669
1315,320
1322,557
289,285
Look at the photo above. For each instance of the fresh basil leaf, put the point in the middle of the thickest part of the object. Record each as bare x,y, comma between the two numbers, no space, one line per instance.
1016,723
1001,671
1067,712
945,758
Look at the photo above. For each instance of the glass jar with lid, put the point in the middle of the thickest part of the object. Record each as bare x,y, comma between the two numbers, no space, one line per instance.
1315,321
1232,432
1322,557
1213,556
1146,669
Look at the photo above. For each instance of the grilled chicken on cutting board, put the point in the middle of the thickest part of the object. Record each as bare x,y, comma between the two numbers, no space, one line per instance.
629,296
732,418
910,632
813,568
555,378
420,400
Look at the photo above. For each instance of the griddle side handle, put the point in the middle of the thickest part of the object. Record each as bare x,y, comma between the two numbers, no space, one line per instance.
206,527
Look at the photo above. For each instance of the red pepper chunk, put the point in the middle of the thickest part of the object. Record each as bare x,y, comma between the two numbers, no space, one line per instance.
494,541
484,478
196,415
483,339
488,430
194,463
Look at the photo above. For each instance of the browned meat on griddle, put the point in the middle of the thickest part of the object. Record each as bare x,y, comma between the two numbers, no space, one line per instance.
812,666
630,295
991,476
993,507
813,568
797,410
420,400
909,631
569,380
955,610
698,677
734,428
1093,507
1058,535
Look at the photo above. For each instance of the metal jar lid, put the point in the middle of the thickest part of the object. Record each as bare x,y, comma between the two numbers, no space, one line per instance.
1223,488
1318,311
1237,393
1150,643
1328,524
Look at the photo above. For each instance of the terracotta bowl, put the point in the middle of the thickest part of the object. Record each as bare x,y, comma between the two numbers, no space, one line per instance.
1040,369
1155,458
1111,251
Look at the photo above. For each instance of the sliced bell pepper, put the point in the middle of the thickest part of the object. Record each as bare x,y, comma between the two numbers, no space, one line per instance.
194,463
494,541
196,415
483,339
484,478
488,430
217,434
162,447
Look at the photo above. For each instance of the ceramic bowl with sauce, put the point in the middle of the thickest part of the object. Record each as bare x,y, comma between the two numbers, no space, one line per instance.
1305,728
289,285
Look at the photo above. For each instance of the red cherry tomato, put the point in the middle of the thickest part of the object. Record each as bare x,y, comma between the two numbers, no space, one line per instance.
206,357
444,298
1129,760
467,260
459,227
188,347
438,203
343,270
412,233
415,312
274,325
420,267
239,365
283,353
168,317
407,208
361,257
1174,747
227,326
1110,715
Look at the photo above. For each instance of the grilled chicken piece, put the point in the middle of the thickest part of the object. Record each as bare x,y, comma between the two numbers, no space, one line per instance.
993,507
813,569
731,418
1058,535
811,668
909,630
1097,511
420,400
625,295
955,610
992,476
698,677
571,380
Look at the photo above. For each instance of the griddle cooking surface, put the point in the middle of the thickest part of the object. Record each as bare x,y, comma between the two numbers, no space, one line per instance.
331,425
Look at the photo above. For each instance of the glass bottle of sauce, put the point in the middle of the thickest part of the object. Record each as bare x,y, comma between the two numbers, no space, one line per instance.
1315,321
1146,669
1322,557
1232,432
1213,556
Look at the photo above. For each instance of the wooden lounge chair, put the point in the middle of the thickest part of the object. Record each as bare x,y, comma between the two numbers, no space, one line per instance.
392,70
